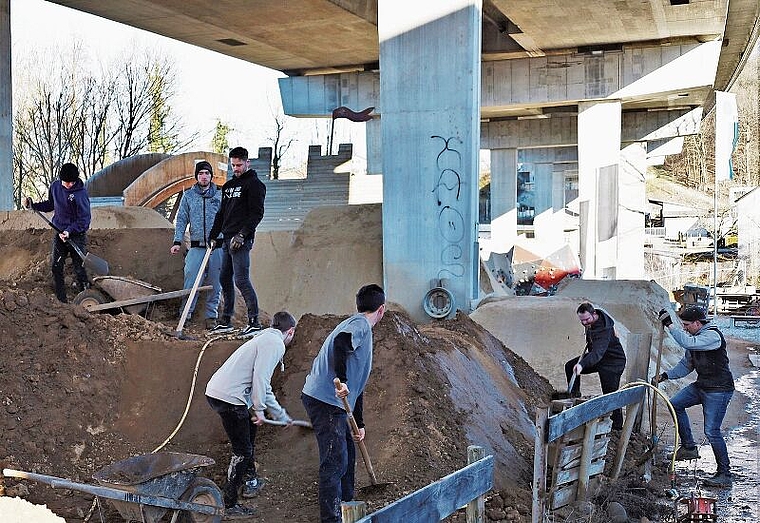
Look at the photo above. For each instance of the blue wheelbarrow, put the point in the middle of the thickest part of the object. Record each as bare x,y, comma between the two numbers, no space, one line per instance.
145,488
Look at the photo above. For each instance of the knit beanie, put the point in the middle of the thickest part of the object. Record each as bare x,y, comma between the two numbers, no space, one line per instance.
69,172
203,166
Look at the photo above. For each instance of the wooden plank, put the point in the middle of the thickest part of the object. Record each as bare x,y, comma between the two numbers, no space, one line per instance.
570,455
574,417
476,509
603,427
562,497
145,299
352,511
540,454
566,476
440,499
585,466
625,436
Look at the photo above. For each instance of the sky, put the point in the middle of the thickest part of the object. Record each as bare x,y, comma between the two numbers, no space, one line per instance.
210,85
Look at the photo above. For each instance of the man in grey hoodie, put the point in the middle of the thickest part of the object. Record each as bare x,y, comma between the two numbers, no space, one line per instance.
197,209
243,382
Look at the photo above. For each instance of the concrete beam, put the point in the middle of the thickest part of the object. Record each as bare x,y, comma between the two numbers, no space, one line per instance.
645,77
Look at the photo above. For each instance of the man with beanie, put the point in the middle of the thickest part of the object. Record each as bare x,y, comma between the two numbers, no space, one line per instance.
705,352
70,203
243,382
198,208
604,355
240,213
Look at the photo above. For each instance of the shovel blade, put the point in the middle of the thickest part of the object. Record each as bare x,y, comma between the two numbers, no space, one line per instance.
95,264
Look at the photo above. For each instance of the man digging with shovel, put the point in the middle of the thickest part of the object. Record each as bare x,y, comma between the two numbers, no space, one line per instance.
346,354
70,203
602,354
243,382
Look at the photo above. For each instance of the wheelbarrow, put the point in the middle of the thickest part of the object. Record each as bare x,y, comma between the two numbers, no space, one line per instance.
145,488
132,295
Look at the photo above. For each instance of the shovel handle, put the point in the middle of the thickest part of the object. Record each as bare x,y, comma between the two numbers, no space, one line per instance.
355,432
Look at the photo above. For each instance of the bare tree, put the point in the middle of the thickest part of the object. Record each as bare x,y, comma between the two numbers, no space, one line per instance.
280,144
220,142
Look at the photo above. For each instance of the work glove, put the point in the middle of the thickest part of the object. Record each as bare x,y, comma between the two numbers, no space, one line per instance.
664,317
212,244
27,202
656,380
237,241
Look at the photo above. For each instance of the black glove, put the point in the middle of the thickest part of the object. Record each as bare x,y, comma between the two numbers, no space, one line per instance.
659,379
664,317
237,241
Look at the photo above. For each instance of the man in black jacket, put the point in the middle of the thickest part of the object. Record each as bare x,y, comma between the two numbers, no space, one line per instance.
604,355
240,213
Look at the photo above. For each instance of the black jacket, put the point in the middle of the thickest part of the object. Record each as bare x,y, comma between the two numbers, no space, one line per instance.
603,348
242,207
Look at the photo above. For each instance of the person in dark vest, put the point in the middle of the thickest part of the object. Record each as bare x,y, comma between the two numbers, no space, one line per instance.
604,355
705,352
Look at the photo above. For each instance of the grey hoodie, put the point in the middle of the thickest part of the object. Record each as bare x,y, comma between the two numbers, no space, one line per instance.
198,209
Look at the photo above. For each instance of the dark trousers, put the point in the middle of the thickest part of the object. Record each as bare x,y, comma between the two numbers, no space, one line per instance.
61,250
236,266
609,380
337,457
242,434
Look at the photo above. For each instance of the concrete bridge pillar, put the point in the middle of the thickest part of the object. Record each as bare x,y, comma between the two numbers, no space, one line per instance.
430,148
6,109
599,131
503,199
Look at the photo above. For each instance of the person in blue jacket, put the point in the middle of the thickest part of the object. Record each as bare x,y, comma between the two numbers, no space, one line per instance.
198,209
705,352
70,203
346,354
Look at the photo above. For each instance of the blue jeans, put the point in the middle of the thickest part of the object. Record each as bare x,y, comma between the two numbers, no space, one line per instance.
337,457
242,434
213,269
714,405
62,250
238,264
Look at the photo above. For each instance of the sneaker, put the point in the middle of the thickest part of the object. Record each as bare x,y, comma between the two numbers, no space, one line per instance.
252,487
686,453
720,479
253,327
223,326
239,512
210,324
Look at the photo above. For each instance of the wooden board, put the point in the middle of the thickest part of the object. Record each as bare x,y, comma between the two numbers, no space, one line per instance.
145,299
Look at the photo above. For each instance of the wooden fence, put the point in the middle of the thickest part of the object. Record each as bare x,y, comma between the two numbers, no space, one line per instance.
436,501
576,439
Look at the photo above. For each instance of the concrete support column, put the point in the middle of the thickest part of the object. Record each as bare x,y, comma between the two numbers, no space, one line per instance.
6,109
599,130
374,130
503,199
632,210
430,148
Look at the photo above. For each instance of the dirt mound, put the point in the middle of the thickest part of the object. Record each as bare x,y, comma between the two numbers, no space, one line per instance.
83,390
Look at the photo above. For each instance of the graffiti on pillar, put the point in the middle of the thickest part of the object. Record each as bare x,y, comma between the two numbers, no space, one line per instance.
447,190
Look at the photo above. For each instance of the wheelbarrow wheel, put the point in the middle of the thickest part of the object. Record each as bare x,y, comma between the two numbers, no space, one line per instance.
89,298
205,492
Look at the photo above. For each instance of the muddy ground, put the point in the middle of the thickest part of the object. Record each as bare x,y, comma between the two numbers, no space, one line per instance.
81,391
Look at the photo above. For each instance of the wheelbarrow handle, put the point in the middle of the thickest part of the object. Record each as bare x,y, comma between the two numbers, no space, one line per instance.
355,432
116,494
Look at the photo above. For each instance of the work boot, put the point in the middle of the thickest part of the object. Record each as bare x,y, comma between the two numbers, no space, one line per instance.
720,479
686,453
252,487
239,512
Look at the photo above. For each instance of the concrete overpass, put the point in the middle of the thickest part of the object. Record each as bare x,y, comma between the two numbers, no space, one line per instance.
528,79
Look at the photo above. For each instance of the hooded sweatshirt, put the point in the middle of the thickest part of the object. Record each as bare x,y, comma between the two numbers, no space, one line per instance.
198,209
71,207
603,348
242,206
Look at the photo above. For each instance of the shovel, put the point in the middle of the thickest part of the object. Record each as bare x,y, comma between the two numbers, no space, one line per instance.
191,297
569,393
92,262
362,448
